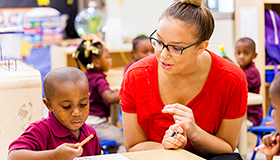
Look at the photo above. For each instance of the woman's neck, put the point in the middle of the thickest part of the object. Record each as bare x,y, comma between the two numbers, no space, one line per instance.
201,66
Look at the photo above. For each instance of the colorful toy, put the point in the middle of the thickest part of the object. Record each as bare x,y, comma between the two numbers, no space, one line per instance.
222,48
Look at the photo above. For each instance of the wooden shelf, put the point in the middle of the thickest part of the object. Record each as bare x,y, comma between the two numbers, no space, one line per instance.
271,67
258,6
267,84
271,1
256,16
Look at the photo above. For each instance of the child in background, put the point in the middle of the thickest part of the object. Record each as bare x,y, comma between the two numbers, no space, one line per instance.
141,47
58,135
244,54
96,58
272,140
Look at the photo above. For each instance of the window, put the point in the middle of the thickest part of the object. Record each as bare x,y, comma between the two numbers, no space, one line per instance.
222,6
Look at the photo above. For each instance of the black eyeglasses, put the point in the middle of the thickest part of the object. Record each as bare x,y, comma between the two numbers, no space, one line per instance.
174,50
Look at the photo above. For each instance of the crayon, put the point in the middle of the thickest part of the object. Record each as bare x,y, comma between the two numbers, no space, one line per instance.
259,147
86,140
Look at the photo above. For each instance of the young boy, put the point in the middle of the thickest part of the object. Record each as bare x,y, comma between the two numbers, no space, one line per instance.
141,48
95,57
272,140
58,135
244,54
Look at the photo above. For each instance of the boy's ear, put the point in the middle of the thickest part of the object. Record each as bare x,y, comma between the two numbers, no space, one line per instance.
48,104
134,55
256,54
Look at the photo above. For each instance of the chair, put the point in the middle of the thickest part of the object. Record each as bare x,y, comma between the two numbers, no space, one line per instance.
262,129
105,144
120,117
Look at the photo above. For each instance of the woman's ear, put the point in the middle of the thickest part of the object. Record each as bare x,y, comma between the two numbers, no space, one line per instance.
48,104
202,46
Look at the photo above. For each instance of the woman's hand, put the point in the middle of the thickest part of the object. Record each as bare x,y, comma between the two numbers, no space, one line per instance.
271,142
184,115
68,151
179,140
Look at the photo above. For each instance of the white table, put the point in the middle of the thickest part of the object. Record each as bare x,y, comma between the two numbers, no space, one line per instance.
158,154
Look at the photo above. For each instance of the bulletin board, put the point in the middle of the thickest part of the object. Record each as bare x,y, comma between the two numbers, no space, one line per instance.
63,6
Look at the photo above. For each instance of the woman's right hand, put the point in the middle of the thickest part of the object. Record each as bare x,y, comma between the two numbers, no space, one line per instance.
68,151
185,116
179,140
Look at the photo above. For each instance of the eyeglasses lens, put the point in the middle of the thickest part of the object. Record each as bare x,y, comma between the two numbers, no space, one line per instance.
159,46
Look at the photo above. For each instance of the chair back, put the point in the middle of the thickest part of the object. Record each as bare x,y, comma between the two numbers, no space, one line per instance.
268,117
270,110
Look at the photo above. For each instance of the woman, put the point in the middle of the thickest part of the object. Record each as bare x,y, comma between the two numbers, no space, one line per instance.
185,88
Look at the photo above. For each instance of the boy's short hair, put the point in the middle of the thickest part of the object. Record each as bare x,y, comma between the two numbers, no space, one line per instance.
247,39
62,74
137,39
275,85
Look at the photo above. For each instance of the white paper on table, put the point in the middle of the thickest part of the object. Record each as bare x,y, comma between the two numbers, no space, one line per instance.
249,23
104,157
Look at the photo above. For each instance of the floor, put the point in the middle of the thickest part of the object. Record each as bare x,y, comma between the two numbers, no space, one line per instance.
252,139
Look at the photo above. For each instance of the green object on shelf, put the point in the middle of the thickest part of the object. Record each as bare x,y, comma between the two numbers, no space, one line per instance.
222,48
223,53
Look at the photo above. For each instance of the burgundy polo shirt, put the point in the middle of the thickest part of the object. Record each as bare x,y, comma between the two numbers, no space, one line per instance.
254,112
97,85
48,134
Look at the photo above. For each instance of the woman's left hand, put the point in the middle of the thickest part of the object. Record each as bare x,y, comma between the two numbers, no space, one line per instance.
177,140
185,116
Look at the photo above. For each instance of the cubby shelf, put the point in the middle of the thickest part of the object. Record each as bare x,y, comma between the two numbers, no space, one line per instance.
260,5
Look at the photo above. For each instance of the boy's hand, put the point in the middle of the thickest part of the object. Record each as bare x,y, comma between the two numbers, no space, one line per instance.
271,142
68,151
269,139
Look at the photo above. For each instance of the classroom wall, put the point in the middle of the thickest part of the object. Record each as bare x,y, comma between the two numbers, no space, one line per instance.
137,16
141,17
223,35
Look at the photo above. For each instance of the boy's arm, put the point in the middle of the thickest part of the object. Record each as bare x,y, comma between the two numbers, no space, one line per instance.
24,154
64,151
269,157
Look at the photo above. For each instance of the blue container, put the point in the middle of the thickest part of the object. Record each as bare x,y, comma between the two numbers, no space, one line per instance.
269,75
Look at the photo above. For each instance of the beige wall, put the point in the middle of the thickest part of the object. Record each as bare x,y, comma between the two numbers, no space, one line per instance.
223,35
141,17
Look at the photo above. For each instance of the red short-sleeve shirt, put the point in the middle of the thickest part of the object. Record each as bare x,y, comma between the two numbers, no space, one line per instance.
48,134
223,96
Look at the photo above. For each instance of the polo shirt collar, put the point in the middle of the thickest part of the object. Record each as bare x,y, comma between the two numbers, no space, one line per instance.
58,129
95,70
